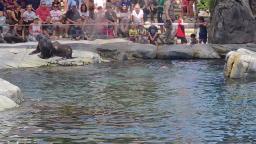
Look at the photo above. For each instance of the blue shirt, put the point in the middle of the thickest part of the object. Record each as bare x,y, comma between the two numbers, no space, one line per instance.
1,7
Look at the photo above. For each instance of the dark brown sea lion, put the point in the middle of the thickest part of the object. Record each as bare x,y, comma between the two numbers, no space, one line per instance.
44,47
62,50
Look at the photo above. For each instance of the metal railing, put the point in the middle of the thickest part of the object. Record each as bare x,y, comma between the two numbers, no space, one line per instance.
97,29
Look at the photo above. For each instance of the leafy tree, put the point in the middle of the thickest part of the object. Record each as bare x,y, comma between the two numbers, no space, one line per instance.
205,5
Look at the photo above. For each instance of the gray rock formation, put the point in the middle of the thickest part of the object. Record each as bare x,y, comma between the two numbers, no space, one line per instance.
233,21
18,57
127,51
187,52
240,64
10,95
253,6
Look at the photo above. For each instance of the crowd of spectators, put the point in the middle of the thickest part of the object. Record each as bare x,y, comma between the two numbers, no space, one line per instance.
85,19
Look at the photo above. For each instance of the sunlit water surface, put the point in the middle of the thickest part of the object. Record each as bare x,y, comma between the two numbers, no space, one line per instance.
131,102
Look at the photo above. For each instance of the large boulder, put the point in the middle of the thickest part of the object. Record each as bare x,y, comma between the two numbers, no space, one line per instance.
233,21
187,52
10,95
240,64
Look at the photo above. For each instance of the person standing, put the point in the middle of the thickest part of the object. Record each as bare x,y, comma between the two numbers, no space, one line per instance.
202,30
190,8
160,10
56,16
180,33
169,10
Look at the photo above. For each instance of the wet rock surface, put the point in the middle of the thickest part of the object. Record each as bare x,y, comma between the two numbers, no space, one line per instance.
10,95
240,64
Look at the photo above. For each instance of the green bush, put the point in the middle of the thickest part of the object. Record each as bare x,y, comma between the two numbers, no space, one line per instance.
205,5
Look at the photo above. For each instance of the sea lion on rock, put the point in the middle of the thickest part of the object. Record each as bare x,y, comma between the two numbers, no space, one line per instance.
45,47
62,50
49,49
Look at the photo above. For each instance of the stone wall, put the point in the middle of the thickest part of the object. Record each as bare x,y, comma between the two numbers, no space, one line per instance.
233,21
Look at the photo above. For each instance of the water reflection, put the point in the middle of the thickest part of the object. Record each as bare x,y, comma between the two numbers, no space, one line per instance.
148,101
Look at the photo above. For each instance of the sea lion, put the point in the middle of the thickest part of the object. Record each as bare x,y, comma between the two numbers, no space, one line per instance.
44,47
62,50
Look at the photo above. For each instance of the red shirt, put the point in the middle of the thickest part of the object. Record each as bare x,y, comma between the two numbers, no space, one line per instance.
43,13
180,31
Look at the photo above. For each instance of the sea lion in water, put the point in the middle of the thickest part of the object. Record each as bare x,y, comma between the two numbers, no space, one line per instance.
44,47
62,50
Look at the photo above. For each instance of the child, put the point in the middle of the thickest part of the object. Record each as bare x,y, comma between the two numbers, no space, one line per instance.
193,39
180,34
143,38
34,30
152,34
202,30
133,33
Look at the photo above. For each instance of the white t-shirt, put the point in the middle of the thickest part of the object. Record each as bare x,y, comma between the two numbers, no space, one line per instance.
101,3
29,16
137,16
84,14
56,15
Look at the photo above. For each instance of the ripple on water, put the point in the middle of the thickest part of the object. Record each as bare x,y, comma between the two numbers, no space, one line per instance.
139,102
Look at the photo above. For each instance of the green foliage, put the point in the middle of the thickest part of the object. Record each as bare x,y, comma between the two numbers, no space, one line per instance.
205,5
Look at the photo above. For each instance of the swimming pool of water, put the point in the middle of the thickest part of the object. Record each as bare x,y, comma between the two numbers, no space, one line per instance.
131,102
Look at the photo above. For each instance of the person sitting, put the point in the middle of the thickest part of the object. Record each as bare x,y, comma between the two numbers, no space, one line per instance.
28,17
43,11
56,17
84,12
34,3
73,18
10,5
12,36
56,3
15,15
193,39
111,16
133,33
48,27
19,28
77,33
137,15
124,21
34,30
143,37
152,34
